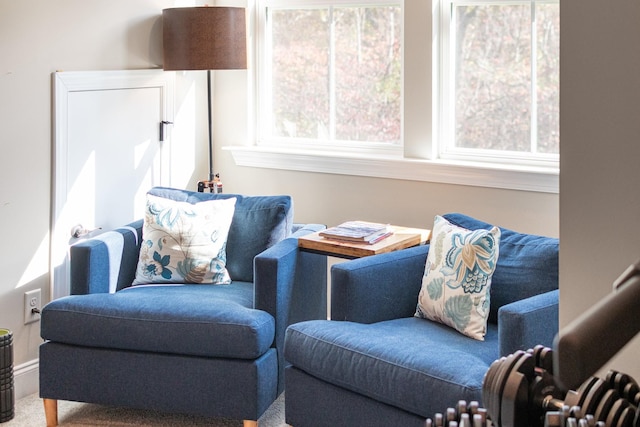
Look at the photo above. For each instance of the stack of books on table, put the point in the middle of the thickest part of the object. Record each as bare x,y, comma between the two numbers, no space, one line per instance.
358,232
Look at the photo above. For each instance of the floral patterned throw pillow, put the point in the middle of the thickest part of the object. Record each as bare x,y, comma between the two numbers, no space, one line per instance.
184,242
457,277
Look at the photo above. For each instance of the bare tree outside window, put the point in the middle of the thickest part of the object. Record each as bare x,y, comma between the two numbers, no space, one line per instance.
507,77
333,73
336,73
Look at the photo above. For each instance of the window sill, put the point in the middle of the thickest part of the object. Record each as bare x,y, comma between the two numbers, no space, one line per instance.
518,177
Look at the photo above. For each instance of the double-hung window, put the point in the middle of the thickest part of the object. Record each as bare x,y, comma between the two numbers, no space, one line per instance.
330,73
499,69
435,86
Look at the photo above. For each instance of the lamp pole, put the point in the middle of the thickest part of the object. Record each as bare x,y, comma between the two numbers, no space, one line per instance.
205,38
210,120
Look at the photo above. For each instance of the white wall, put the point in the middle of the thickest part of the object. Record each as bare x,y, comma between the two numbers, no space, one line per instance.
600,153
38,37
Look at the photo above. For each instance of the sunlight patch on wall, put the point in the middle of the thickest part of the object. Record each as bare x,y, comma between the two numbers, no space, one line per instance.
39,264
183,136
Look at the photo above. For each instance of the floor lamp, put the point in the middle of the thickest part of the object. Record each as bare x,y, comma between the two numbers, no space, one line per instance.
205,38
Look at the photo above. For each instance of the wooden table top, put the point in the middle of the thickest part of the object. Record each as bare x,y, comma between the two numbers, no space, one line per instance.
402,237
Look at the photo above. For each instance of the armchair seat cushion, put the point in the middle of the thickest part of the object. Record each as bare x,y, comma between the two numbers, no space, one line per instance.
194,320
409,363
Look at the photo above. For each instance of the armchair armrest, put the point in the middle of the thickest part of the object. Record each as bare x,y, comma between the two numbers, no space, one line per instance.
526,323
291,285
302,229
105,263
379,287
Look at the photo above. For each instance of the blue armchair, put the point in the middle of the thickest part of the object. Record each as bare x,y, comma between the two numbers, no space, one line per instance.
210,350
375,364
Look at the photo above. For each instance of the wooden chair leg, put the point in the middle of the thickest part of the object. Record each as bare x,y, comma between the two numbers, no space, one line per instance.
51,412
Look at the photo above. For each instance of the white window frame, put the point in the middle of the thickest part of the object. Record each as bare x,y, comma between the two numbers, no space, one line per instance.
417,159
264,116
446,149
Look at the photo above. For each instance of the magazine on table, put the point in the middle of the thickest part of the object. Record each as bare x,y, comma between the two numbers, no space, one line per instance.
358,232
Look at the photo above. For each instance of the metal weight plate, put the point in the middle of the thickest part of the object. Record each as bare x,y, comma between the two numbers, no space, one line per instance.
605,404
494,384
630,391
498,385
593,395
627,416
576,412
616,411
620,381
576,398
591,420
461,407
514,410
490,395
571,422
610,377
545,359
473,407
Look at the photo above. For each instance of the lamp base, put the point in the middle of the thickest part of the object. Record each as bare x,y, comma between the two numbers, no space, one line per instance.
214,185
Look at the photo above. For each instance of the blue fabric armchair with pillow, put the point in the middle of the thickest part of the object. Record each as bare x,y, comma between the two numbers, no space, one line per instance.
414,331
184,311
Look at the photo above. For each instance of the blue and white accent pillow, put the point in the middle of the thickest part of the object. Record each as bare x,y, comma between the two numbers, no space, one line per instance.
457,277
184,242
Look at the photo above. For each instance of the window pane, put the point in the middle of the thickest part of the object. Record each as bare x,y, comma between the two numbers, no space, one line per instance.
493,77
368,74
548,78
300,58
336,73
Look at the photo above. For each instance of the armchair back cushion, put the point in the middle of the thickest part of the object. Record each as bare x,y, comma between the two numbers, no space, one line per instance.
527,265
258,223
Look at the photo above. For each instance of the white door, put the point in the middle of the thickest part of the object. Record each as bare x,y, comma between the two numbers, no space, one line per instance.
107,154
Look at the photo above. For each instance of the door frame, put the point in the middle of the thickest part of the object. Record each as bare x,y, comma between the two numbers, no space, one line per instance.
64,84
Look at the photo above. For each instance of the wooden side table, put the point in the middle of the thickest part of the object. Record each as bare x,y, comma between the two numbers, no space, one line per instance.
402,237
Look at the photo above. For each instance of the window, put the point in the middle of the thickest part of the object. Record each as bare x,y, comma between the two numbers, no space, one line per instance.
500,74
452,91
331,73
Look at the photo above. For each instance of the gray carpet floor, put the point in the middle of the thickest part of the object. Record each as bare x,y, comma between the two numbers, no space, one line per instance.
29,412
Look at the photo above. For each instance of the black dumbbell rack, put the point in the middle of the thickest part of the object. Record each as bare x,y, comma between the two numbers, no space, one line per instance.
519,391
534,388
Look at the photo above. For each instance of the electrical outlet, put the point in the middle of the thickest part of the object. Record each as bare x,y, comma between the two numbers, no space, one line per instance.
32,306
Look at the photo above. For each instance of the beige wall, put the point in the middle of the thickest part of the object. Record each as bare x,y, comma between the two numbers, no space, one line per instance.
38,37
330,199
600,153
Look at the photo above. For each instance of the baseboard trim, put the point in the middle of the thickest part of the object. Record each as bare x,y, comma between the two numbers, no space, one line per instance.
26,378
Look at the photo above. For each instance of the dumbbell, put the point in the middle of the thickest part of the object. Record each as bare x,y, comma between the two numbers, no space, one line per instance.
520,391
612,400
463,415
